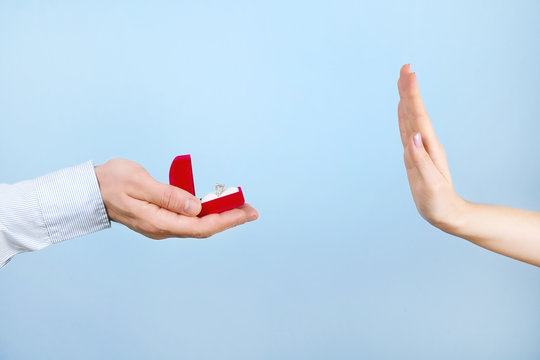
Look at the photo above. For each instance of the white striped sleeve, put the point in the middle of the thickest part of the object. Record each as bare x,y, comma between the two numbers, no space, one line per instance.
50,209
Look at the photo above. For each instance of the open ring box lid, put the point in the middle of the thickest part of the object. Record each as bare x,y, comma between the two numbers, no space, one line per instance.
181,175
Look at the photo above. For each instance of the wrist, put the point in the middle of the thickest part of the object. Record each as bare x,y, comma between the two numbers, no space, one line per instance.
99,175
456,218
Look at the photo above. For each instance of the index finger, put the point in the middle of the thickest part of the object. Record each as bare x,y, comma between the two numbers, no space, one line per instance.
412,114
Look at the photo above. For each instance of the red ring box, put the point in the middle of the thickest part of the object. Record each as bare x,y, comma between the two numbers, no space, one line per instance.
181,175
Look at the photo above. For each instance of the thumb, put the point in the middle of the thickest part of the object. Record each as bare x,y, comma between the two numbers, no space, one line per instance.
418,160
170,197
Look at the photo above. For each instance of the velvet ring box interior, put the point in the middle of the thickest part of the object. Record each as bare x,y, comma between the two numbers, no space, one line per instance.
181,175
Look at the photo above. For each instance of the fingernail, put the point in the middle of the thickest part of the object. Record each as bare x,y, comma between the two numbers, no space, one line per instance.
417,140
190,207
409,69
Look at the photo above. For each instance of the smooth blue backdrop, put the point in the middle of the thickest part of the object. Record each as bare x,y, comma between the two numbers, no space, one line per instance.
296,102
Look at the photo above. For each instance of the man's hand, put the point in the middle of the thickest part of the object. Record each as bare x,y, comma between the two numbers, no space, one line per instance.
132,197
425,159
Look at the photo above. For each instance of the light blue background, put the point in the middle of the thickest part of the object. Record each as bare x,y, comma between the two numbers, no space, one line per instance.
296,102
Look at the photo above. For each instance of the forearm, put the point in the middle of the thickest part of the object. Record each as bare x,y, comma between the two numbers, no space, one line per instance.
507,231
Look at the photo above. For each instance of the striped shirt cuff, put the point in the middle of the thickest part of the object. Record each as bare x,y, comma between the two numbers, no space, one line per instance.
71,203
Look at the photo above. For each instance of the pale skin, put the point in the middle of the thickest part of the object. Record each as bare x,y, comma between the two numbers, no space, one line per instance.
156,210
507,231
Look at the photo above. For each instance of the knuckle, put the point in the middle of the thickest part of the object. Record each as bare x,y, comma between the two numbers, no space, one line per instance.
166,198
172,199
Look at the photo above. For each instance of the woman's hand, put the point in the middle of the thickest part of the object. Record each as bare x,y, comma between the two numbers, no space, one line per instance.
425,159
132,197
511,232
